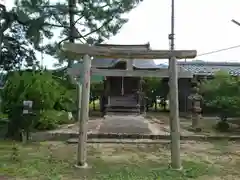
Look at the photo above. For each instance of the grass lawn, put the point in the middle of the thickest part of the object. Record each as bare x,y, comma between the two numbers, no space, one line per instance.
55,161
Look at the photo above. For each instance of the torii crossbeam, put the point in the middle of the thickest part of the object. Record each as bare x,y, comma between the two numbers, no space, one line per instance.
78,50
127,53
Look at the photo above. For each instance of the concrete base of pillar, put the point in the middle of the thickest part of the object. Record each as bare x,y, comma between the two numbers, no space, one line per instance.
176,169
84,166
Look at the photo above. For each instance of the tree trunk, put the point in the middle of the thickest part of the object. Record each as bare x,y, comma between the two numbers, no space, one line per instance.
155,104
94,105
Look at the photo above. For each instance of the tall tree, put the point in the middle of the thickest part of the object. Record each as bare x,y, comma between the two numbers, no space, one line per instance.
96,20
15,49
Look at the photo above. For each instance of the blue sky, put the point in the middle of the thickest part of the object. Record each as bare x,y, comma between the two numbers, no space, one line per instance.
204,25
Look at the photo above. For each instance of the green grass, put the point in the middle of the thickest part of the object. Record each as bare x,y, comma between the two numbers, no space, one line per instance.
55,161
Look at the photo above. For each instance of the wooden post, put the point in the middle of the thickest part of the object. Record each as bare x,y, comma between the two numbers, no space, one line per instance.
174,116
174,106
82,143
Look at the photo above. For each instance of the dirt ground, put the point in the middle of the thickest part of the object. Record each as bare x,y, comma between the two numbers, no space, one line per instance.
207,124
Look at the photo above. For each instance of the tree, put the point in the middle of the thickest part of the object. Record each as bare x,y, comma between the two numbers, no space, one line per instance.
152,89
97,20
96,91
15,51
221,94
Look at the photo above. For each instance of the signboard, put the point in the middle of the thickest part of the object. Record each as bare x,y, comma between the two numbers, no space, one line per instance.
27,107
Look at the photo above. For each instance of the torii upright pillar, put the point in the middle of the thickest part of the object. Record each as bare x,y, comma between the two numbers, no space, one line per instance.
84,115
174,102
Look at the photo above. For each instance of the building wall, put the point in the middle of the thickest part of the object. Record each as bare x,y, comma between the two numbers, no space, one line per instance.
130,85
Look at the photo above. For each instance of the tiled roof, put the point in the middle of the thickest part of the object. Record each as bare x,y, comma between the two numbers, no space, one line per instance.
210,68
207,68
196,67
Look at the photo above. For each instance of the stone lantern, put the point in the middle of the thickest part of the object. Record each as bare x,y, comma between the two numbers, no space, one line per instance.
195,109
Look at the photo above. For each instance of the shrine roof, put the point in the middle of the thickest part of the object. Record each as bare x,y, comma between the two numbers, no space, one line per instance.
209,68
137,63
141,64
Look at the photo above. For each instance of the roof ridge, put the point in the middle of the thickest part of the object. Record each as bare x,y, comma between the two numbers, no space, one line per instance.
147,45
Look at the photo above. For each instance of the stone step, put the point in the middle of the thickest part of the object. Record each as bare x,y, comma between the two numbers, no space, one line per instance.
122,141
123,106
122,113
122,99
123,110
123,102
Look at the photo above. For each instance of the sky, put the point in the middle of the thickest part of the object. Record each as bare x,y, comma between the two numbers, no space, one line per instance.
202,25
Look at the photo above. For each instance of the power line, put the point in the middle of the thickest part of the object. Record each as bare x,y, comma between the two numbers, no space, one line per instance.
220,50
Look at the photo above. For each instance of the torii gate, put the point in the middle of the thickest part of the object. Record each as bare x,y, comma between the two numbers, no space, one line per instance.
85,51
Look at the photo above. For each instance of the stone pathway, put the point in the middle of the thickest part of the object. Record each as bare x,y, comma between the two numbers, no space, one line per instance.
122,126
125,124
114,124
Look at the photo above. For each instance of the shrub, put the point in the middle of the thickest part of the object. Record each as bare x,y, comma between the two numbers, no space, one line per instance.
43,90
51,119
221,95
67,102
46,121
62,117
222,126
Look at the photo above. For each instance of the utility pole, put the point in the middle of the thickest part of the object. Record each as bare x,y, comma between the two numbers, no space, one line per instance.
174,109
80,151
